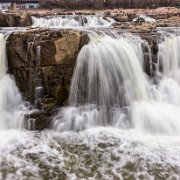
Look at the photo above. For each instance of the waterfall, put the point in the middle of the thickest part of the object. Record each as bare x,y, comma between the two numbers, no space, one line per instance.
38,83
72,21
128,114
110,88
11,107
162,114
2,56
107,70
169,56
107,78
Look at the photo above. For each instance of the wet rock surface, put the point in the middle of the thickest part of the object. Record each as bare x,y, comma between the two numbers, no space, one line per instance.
59,50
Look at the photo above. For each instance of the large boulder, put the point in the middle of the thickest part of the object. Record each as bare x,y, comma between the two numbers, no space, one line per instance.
58,53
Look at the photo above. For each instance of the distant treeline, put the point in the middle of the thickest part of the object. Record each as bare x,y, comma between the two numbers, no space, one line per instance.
102,4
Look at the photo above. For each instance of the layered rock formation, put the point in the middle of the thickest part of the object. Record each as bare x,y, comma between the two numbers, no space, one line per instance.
59,49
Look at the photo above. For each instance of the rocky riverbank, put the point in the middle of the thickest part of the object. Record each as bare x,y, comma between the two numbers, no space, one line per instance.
162,15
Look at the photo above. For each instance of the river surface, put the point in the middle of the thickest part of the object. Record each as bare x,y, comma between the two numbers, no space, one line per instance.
99,153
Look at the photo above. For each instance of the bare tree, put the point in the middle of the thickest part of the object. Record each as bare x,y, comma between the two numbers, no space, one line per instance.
101,4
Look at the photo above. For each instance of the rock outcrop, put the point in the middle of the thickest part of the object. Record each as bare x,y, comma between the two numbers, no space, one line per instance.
59,49
15,20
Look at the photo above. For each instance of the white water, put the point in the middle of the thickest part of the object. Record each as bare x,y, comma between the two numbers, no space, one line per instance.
161,114
72,21
108,76
103,153
11,106
3,67
146,18
109,88
170,58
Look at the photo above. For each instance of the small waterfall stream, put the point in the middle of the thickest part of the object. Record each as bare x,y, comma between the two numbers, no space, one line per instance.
3,67
11,107
38,83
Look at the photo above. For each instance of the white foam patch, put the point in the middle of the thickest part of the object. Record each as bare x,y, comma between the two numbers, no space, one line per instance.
146,18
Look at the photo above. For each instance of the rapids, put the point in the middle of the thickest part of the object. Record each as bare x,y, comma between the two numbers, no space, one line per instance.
70,21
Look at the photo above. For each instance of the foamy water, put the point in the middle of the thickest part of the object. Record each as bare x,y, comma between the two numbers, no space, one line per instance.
72,21
99,153
141,137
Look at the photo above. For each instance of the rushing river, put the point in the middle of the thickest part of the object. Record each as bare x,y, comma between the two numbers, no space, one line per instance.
120,123
99,153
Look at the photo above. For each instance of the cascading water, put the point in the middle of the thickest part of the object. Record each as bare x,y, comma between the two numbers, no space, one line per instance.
38,84
2,56
161,114
107,78
169,56
72,21
109,87
11,107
